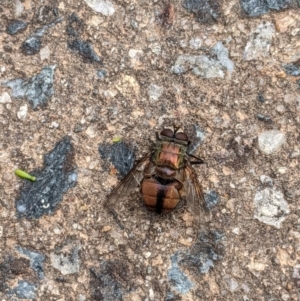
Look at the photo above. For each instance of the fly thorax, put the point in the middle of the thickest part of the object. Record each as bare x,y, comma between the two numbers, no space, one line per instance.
170,154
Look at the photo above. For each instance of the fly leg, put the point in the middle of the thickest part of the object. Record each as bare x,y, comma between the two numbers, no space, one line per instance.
115,216
198,160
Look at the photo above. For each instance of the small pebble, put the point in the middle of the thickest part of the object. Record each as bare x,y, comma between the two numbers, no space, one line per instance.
56,231
255,8
25,290
270,206
266,180
271,141
33,43
260,41
280,109
81,297
293,69
282,170
101,73
19,8
37,89
195,43
36,260
260,97
106,7
205,11
211,199
151,294
16,26
236,231
5,98
85,49
54,125
106,228
45,53
232,284
264,118
147,254
66,263
154,92
74,25
22,112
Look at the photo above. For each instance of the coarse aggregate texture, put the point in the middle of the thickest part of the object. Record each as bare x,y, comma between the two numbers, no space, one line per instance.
120,154
36,260
109,75
59,174
37,90
33,43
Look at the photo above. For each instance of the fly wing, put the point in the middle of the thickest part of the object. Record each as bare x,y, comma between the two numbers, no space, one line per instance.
131,181
194,194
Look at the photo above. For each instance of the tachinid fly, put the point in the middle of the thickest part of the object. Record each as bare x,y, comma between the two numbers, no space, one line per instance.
165,176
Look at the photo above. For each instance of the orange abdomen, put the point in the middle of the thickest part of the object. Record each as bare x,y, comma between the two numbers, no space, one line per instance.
161,197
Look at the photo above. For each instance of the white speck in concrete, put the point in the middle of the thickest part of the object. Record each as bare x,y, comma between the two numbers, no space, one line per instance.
5,98
270,141
260,41
155,92
270,206
104,7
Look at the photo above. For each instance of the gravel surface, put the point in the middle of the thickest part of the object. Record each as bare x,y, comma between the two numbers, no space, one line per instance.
84,87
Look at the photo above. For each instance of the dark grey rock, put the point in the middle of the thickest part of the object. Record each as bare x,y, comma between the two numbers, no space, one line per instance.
101,73
178,280
37,90
170,296
120,154
33,43
24,290
7,48
293,68
255,8
59,174
202,255
279,4
111,281
264,118
260,97
74,25
44,14
85,49
12,268
211,199
205,11
15,26
197,138
36,260
56,11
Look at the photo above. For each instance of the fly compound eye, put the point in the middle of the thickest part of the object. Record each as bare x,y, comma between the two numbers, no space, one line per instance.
167,133
181,136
